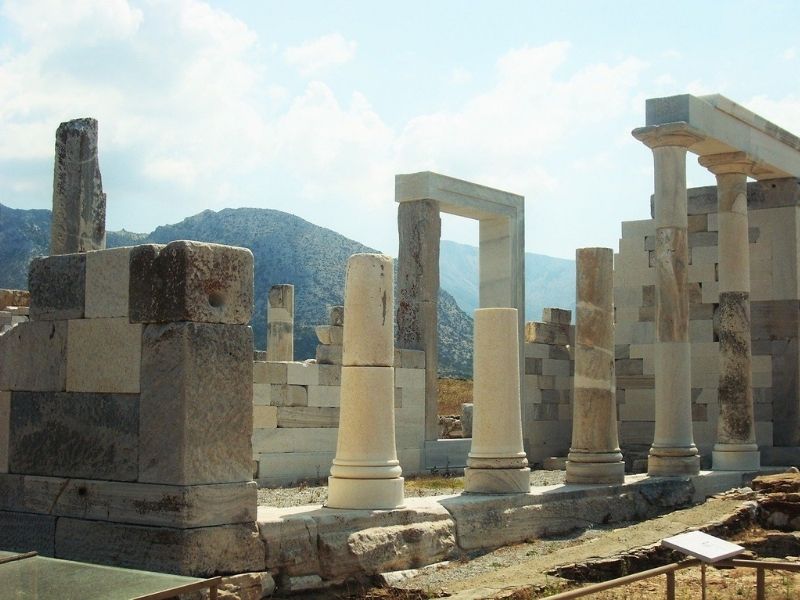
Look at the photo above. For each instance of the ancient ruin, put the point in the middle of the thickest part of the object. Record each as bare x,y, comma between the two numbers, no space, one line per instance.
136,426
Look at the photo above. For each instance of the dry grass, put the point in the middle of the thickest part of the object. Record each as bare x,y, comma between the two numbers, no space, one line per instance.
721,584
452,394
424,485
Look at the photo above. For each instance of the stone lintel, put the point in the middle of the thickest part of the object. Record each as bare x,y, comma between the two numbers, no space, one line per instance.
729,127
458,197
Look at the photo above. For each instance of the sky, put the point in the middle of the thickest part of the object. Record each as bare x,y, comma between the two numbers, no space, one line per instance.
313,107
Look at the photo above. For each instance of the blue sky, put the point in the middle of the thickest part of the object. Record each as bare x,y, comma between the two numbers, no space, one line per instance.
312,107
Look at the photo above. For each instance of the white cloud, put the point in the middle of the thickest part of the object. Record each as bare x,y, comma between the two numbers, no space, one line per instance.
504,135
459,76
789,53
51,22
317,55
784,112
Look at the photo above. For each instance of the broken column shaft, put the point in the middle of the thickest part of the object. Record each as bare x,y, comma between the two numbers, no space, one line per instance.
366,473
736,448
79,204
594,456
496,463
280,323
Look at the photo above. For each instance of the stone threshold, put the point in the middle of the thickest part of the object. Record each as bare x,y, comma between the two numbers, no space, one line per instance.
313,546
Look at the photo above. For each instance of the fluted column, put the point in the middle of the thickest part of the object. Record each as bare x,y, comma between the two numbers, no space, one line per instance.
673,452
366,472
736,448
496,463
594,456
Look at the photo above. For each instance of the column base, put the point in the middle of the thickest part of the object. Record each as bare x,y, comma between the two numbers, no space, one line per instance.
672,466
365,493
497,481
595,472
735,457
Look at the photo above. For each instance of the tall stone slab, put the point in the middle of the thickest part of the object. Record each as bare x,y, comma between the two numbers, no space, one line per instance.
497,463
280,323
420,227
673,452
594,456
366,472
736,448
79,203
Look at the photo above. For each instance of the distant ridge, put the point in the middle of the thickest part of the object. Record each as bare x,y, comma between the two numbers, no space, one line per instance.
286,248
549,281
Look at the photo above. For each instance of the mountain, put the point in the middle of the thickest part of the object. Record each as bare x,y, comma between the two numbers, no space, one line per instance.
549,282
286,249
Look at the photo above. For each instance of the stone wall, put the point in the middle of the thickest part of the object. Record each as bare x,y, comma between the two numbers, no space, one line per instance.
547,401
774,216
125,411
14,308
296,415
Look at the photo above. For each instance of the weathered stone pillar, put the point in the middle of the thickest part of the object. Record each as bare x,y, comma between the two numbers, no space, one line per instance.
420,228
280,323
594,456
673,452
496,463
79,204
736,448
366,472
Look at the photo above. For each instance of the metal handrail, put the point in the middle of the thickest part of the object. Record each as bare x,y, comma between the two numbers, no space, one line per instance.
668,570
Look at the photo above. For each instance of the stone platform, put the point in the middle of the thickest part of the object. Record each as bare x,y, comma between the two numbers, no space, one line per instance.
312,546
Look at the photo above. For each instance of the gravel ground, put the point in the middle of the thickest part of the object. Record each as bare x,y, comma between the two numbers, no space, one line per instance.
303,494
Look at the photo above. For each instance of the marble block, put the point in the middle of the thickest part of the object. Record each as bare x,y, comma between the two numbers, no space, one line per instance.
58,287
107,283
191,281
199,552
103,355
93,436
34,357
196,404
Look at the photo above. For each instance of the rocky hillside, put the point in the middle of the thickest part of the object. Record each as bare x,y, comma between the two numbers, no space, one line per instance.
549,282
287,249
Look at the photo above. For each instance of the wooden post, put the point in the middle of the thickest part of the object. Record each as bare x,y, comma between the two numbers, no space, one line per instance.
761,593
671,585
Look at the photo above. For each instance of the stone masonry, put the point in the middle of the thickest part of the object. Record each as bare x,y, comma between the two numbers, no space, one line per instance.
126,409
773,210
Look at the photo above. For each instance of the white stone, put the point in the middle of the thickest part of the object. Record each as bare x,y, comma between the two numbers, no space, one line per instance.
366,471
369,302
103,355
265,417
497,421
107,273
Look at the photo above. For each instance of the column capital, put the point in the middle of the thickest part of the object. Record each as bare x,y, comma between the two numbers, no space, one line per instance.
728,162
671,134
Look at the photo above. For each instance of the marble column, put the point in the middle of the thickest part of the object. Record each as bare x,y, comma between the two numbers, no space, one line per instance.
280,323
736,448
496,463
366,473
673,452
594,456
79,204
